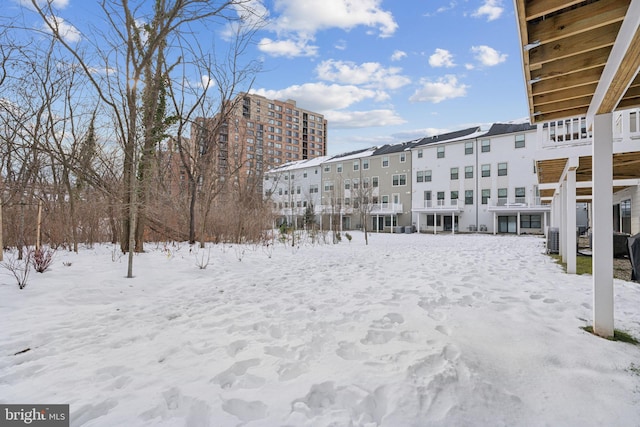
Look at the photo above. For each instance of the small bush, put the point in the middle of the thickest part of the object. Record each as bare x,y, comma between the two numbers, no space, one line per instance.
41,259
19,268
348,236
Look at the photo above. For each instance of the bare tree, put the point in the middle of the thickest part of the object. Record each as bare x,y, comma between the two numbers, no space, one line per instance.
137,58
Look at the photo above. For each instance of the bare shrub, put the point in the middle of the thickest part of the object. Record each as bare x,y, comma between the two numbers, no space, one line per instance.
41,259
19,268
200,260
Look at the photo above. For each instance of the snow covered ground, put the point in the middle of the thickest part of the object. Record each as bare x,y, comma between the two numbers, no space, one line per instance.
411,330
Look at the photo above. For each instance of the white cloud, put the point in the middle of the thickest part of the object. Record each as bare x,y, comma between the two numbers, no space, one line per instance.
68,32
297,22
341,45
368,74
441,58
488,56
446,87
55,4
469,66
492,9
310,16
320,96
362,119
289,48
398,55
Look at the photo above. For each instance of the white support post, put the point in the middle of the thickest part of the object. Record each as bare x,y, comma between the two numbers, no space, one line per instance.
418,222
495,223
434,223
563,222
602,159
518,224
453,223
570,230
544,225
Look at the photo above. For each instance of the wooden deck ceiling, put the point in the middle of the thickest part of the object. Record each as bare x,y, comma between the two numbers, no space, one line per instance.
580,58
566,47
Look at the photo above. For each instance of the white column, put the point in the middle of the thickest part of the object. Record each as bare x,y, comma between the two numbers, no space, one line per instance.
544,224
418,222
518,224
434,223
563,222
571,221
602,159
453,223
495,222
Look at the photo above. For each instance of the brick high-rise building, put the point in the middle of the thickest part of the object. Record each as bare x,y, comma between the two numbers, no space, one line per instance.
259,134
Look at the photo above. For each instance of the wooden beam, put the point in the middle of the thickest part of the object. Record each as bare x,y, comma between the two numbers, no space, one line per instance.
588,77
524,40
574,64
564,105
536,9
565,94
574,112
574,45
578,20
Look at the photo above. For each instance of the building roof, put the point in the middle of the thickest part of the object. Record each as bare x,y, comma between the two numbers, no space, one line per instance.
505,128
459,134
394,148
365,152
300,164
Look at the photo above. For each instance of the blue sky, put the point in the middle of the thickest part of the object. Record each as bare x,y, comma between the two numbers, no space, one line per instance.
382,71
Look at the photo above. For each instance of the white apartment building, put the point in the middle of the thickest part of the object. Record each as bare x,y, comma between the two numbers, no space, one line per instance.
474,180
294,190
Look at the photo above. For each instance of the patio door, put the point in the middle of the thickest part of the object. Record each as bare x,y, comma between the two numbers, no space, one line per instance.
507,224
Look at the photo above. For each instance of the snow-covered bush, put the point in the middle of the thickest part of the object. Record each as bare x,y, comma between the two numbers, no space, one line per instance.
41,258
19,268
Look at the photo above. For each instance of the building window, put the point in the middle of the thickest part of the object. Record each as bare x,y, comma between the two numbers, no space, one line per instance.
440,196
427,176
328,186
486,171
454,195
468,147
356,183
374,182
400,179
347,184
365,182
502,169
313,188
486,194
486,145
327,168
519,141
420,176
339,168
356,165
440,154
420,153
365,164
520,194
530,221
304,175
385,161
502,196
468,171
454,173
403,157
468,197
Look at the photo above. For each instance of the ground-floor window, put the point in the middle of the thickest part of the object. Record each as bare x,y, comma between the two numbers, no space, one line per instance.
430,220
531,221
390,221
